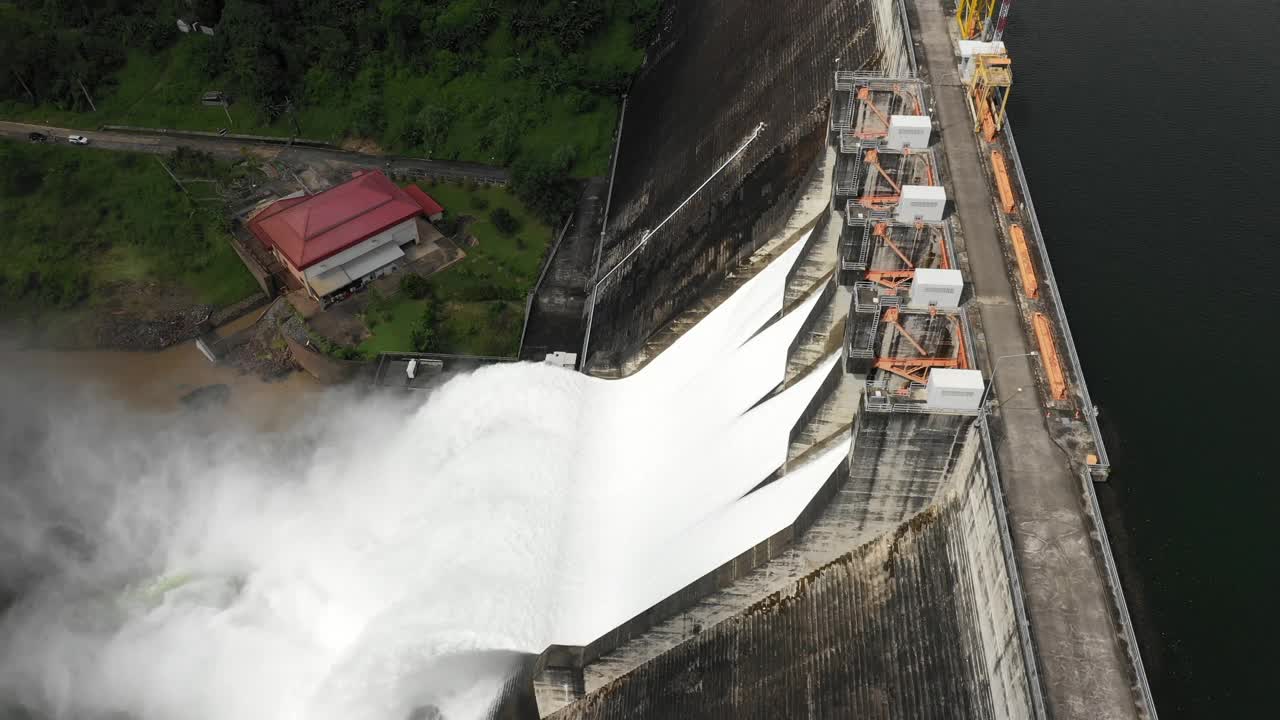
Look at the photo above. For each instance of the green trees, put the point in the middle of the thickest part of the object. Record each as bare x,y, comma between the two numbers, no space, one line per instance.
415,286
545,185
485,80
425,336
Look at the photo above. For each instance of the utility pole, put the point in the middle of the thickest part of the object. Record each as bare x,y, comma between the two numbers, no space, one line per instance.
86,95
230,122
175,177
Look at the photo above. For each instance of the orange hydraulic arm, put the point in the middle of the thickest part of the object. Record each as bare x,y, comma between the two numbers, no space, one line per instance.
910,98
864,96
943,260
917,369
882,231
873,159
1049,357
1030,285
914,369
957,334
891,279
1002,181
891,318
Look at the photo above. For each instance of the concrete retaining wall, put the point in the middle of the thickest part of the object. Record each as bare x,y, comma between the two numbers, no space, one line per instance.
229,137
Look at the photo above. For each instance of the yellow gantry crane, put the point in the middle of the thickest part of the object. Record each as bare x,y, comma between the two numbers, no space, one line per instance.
989,90
972,17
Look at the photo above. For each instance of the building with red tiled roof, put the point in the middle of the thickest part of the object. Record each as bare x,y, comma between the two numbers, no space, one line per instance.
347,235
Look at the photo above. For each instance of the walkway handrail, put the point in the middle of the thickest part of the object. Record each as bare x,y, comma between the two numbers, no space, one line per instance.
1089,413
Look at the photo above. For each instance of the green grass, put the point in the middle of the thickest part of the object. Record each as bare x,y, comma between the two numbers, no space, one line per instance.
487,327
394,334
508,262
481,297
78,220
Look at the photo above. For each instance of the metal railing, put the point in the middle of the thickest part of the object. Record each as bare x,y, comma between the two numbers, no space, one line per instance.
1117,593
1090,413
1015,578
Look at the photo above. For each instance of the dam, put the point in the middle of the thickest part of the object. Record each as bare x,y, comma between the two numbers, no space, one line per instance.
825,448
955,564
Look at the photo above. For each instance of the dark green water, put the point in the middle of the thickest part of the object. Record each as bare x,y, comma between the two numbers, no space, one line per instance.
1150,130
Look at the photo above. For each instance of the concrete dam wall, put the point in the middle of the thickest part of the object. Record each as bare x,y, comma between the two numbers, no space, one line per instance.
917,623
713,74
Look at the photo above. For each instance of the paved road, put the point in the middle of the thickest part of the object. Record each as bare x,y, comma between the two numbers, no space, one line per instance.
1084,669
160,143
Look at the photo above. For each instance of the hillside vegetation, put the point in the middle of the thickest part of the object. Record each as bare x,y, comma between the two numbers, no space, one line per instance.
85,227
494,81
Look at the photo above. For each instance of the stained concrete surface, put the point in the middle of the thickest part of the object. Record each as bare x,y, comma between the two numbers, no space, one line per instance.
914,624
1078,644
693,105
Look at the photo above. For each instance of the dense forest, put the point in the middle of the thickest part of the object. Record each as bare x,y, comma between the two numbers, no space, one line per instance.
497,81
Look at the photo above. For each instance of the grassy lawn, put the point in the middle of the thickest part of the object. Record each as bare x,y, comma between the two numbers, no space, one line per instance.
480,300
489,327
78,221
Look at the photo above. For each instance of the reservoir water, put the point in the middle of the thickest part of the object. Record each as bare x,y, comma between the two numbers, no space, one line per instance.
1149,130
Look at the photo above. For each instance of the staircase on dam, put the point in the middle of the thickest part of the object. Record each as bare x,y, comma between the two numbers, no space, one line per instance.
556,314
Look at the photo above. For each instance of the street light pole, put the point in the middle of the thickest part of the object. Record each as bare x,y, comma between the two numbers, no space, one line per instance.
995,368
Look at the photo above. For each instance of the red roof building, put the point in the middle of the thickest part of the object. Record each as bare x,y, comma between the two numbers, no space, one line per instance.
346,234
433,209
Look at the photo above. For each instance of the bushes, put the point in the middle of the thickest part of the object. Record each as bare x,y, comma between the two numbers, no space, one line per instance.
506,223
426,336
415,286
545,186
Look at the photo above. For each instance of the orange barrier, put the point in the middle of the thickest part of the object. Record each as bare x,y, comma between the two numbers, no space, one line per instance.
1030,285
1049,357
1002,181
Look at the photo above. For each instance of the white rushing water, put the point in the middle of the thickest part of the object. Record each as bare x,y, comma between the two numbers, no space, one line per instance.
380,558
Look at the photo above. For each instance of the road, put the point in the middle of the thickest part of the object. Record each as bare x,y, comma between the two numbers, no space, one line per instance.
1084,669
162,144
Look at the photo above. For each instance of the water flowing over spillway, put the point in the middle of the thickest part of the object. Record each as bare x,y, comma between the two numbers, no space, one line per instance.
381,558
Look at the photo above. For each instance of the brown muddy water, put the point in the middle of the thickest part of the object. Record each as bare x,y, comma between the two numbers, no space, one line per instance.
157,381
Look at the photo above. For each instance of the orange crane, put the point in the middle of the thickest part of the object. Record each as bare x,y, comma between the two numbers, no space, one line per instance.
989,93
1049,357
1030,285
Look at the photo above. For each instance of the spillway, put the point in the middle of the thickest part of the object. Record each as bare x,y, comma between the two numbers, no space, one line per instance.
519,507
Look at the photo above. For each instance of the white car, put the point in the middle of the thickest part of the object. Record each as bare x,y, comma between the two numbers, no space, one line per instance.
78,140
